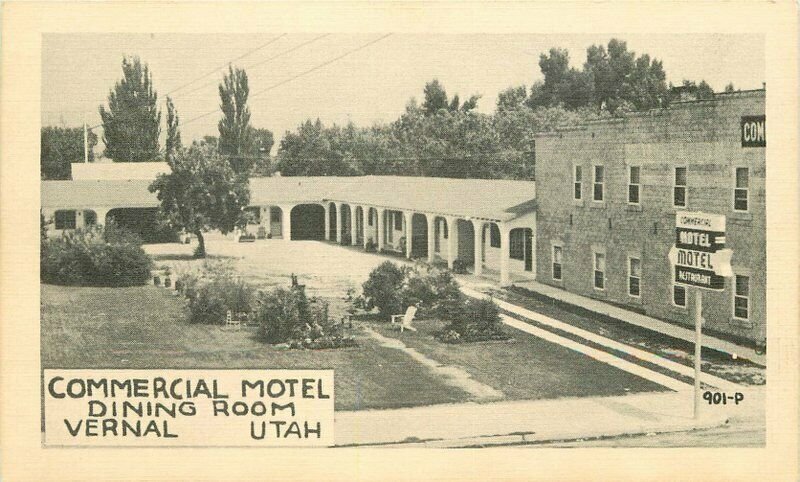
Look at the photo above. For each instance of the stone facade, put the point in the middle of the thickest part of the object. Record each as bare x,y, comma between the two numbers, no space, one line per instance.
705,138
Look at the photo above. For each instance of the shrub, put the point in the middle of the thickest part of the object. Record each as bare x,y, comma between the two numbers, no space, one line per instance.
210,301
460,266
384,289
371,246
93,257
478,320
434,291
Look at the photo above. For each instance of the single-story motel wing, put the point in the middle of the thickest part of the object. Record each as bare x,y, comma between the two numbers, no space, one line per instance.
599,220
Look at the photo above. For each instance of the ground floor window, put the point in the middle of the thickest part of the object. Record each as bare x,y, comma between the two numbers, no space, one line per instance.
600,271
275,215
89,217
494,236
398,221
679,295
741,297
65,219
517,244
557,263
634,276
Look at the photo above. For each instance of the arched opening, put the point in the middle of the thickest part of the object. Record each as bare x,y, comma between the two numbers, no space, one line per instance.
308,222
332,220
359,225
440,236
347,220
466,241
419,236
372,225
144,222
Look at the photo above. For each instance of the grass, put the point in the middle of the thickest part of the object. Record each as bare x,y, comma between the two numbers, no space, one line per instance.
525,367
144,327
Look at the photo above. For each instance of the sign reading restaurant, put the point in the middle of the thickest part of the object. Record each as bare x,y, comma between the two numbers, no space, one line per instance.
699,256
754,131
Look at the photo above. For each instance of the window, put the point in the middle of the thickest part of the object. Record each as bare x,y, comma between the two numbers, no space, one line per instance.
577,183
557,263
65,219
275,215
494,235
517,244
742,189
398,220
599,180
389,225
679,296
741,298
634,277
599,271
634,184
89,217
679,191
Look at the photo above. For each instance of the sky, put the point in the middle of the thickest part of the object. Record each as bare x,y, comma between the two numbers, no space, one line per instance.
362,78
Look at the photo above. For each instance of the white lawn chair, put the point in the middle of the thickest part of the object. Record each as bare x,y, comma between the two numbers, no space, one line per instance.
406,319
230,323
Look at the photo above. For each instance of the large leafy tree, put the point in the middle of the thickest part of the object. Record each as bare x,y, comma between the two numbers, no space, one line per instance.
436,100
173,143
132,122
235,133
202,192
62,146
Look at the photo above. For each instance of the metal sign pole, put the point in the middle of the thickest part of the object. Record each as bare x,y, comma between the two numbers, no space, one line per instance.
698,346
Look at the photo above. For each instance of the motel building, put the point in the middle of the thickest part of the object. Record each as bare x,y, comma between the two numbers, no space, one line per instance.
599,221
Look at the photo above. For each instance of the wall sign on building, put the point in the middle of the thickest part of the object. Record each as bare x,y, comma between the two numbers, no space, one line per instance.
754,131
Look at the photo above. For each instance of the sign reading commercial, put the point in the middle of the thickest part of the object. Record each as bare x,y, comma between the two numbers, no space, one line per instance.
754,131
699,256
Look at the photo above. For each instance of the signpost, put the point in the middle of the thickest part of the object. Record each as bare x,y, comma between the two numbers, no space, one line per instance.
700,259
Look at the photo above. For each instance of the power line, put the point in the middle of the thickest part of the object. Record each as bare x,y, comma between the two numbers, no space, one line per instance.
227,63
305,72
296,47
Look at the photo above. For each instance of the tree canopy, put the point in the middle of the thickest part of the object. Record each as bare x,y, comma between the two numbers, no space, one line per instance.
132,122
202,192
61,146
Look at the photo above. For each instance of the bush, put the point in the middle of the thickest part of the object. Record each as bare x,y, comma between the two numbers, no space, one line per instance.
209,302
460,266
478,320
371,246
94,257
384,289
434,291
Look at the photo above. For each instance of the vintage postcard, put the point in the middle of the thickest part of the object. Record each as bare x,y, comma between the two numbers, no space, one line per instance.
552,236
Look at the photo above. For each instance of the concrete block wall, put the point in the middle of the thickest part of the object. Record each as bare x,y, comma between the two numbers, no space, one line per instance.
706,138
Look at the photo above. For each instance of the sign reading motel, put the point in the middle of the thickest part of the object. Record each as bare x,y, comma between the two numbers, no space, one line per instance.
754,131
699,256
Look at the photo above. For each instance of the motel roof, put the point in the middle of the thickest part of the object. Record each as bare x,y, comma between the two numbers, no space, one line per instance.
499,200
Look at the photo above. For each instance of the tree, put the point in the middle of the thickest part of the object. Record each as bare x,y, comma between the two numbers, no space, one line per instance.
234,127
261,144
173,143
202,192
435,98
730,88
132,123
62,146
512,98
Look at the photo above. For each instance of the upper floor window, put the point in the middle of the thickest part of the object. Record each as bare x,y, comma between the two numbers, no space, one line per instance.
577,183
599,183
741,192
634,184
679,189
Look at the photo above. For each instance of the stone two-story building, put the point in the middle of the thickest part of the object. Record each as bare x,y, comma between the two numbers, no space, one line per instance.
607,196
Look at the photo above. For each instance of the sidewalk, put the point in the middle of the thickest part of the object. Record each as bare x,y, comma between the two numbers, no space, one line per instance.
469,424
643,321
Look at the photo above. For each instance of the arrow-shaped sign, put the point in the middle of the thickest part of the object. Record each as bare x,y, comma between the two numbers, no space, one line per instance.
719,262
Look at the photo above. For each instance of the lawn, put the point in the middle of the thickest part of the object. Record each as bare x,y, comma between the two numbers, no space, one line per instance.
144,327
524,367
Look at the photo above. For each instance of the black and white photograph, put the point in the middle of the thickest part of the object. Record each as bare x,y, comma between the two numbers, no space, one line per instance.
387,240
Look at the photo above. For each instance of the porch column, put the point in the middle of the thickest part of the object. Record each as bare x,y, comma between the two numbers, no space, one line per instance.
380,229
353,225
452,241
477,226
327,207
101,215
286,221
431,235
409,234
365,210
505,279
339,223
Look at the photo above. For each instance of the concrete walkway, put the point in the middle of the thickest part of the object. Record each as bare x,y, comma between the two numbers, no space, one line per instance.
643,321
468,424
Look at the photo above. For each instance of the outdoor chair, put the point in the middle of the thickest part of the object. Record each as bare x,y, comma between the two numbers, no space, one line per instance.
230,323
406,319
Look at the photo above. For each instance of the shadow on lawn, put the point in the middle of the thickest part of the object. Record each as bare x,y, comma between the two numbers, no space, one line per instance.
187,257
